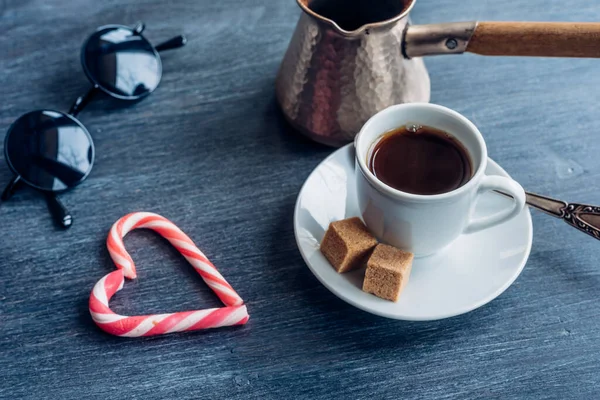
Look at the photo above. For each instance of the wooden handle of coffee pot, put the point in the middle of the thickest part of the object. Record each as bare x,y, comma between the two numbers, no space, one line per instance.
543,39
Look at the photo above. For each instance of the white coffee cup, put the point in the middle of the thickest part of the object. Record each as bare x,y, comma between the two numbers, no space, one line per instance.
425,224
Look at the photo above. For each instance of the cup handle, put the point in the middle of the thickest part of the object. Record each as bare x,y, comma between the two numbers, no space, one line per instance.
507,186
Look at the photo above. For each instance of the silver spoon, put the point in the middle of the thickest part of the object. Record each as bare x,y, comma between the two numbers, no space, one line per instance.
581,216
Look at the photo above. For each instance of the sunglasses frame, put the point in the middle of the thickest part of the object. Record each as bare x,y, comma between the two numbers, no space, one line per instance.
137,31
59,212
62,114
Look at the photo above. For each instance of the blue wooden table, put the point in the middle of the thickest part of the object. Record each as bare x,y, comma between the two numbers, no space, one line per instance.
210,151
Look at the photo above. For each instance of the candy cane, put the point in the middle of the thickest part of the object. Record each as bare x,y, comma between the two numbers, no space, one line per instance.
234,313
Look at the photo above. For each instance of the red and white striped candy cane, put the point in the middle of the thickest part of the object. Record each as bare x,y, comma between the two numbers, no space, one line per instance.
234,313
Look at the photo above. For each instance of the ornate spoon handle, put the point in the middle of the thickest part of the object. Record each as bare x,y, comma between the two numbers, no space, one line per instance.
581,216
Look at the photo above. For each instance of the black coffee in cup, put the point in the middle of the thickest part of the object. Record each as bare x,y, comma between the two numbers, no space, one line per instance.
420,160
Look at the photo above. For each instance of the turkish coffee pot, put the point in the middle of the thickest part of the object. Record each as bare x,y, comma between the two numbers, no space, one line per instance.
349,59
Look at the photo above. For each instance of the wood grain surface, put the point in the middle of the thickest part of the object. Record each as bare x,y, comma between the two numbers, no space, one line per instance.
210,151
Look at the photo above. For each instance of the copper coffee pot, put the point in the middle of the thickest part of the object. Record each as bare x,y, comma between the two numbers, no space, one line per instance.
332,80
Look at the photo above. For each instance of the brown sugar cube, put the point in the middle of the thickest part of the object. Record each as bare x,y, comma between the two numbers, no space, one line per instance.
388,270
347,244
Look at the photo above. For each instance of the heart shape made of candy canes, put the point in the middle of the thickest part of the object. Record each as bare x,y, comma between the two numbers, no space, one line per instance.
234,312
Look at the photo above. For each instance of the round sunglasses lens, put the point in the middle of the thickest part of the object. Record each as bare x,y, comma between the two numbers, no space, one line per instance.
49,150
121,62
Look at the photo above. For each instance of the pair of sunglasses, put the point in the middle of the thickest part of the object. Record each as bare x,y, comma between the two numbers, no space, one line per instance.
52,151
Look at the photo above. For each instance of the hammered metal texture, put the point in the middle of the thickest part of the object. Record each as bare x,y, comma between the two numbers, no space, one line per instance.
330,84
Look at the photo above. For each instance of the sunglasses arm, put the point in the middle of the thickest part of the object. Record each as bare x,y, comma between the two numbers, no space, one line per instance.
82,101
59,212
171,44
10,188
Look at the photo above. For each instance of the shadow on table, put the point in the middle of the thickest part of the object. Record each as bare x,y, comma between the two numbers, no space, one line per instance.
580,277
288,137
339,323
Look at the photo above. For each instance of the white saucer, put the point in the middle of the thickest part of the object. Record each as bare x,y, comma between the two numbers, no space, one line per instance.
473,271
